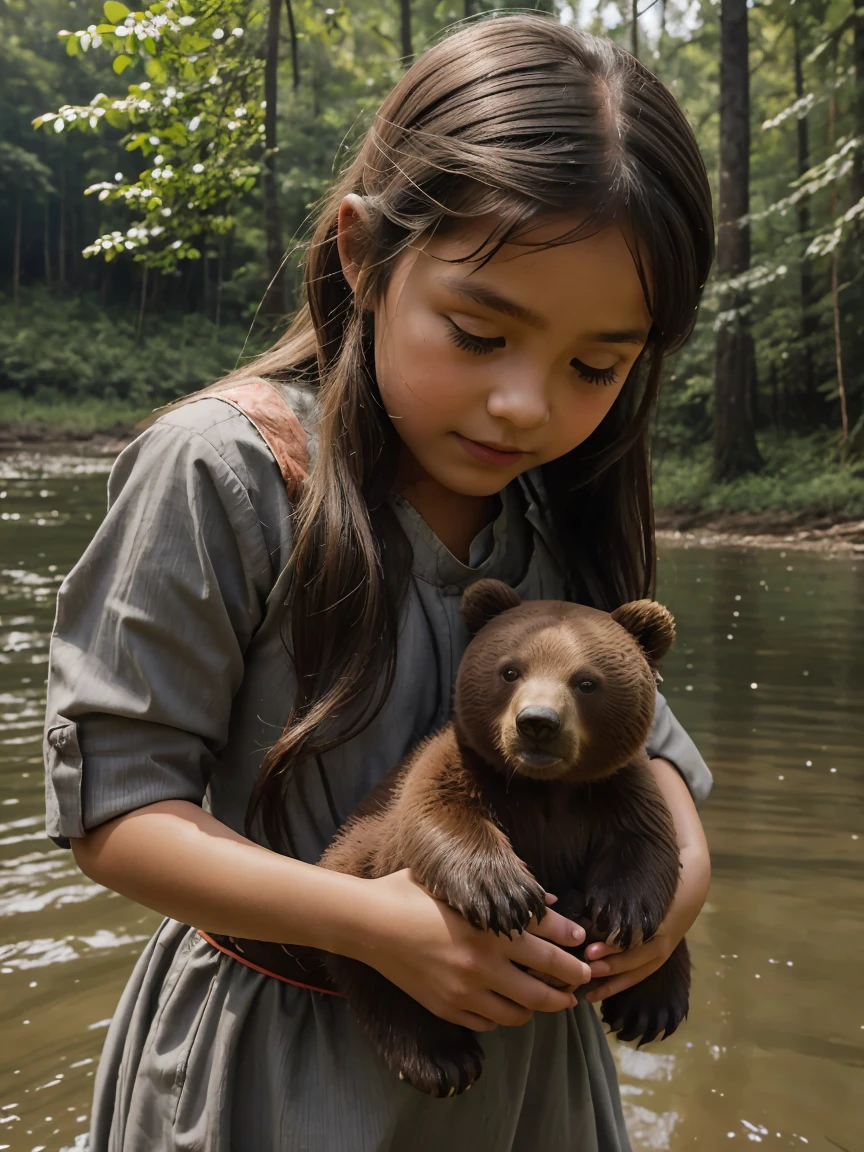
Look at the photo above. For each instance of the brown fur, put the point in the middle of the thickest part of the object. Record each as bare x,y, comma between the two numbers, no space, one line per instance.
490,816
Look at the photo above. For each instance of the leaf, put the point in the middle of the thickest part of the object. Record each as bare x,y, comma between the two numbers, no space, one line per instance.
72,46
150,45
121,63
115,12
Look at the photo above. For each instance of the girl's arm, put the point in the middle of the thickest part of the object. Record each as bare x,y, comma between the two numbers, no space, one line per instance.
179,860
627,968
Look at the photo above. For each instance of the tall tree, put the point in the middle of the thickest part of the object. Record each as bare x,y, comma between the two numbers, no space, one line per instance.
274,299
405,32
735,449
813,405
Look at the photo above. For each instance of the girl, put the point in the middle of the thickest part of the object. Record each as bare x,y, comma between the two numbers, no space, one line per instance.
243,651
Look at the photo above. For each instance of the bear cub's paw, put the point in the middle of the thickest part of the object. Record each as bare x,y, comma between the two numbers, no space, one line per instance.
655,1006
448,1067
624,916
500,895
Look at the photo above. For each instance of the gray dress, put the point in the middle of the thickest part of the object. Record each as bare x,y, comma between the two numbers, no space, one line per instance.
168,679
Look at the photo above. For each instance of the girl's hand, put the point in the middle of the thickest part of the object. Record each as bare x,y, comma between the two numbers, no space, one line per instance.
627,968
460,973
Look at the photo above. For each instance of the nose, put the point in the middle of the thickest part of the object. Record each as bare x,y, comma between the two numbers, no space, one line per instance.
520,402
538,723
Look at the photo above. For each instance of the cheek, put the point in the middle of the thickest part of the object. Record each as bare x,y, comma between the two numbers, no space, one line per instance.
579,411
422,378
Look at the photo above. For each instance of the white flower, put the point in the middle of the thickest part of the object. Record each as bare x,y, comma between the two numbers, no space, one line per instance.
160,159
84,40
236,31
120,30
177,244
185,21
241,111
172,92
144,85
59,125
197,168
194,122
118,176
218,34
97,40
166,211
128,244
156,173
91,28
154,140
231,125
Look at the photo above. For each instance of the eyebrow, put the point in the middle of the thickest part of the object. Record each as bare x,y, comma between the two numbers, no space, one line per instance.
489,298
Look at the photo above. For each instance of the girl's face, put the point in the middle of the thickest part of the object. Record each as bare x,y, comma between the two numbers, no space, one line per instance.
488,372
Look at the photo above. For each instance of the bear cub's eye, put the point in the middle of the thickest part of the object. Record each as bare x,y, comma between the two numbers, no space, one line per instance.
586,686
510,674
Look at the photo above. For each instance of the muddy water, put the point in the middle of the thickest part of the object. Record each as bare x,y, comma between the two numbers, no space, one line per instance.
769,678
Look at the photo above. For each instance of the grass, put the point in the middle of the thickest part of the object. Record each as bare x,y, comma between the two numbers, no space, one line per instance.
29,418
802,479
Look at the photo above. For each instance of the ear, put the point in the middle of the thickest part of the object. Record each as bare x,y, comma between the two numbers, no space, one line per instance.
484,601
352,233
651,624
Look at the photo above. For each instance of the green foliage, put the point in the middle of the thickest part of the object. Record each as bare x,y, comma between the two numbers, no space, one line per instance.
199,113
55,350
802,475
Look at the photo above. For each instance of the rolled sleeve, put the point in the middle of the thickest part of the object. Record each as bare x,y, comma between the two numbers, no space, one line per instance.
151,629
669,740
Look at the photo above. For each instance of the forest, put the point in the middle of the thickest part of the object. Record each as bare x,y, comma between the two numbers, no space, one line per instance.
157,166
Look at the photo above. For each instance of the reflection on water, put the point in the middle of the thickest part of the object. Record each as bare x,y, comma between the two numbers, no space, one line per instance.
767,675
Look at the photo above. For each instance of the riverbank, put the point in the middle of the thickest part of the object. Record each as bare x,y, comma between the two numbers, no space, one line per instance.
801,501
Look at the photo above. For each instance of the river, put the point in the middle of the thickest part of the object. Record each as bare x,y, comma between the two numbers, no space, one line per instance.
767,675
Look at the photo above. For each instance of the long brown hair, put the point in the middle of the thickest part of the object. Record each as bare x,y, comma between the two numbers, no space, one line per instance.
516,116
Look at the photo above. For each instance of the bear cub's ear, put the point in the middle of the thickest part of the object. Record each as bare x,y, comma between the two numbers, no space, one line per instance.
651,624
484,601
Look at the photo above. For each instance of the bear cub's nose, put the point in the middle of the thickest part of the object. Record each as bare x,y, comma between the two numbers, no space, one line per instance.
538,723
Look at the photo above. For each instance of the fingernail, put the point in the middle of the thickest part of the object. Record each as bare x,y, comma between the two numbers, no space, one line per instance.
578,934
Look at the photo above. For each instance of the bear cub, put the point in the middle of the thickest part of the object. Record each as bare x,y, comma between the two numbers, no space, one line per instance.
539,783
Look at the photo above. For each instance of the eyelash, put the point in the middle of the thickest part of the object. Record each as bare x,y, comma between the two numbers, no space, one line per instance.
480,345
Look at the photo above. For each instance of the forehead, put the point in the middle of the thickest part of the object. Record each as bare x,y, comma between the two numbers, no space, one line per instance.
587,284
568,637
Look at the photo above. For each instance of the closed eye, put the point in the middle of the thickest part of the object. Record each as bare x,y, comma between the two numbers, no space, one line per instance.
482,345
471,343
595,375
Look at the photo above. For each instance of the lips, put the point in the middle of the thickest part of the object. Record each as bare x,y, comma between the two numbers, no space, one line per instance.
495,455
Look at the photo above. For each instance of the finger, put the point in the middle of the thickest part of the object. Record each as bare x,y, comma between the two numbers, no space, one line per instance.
466,1019
502,1009
558,929
595,951
628,961
528,993
533,951
550,899
619,983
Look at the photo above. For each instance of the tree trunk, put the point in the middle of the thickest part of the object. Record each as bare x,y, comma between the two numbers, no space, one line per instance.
858,57
634,27
469,9
16,254
46,242
61,232
735,450
295,54
835,296
273,303
405,32
139,332
813,405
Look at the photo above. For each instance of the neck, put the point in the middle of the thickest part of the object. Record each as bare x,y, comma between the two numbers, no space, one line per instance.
454,518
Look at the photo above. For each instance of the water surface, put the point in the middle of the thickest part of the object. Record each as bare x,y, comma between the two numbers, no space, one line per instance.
768,676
